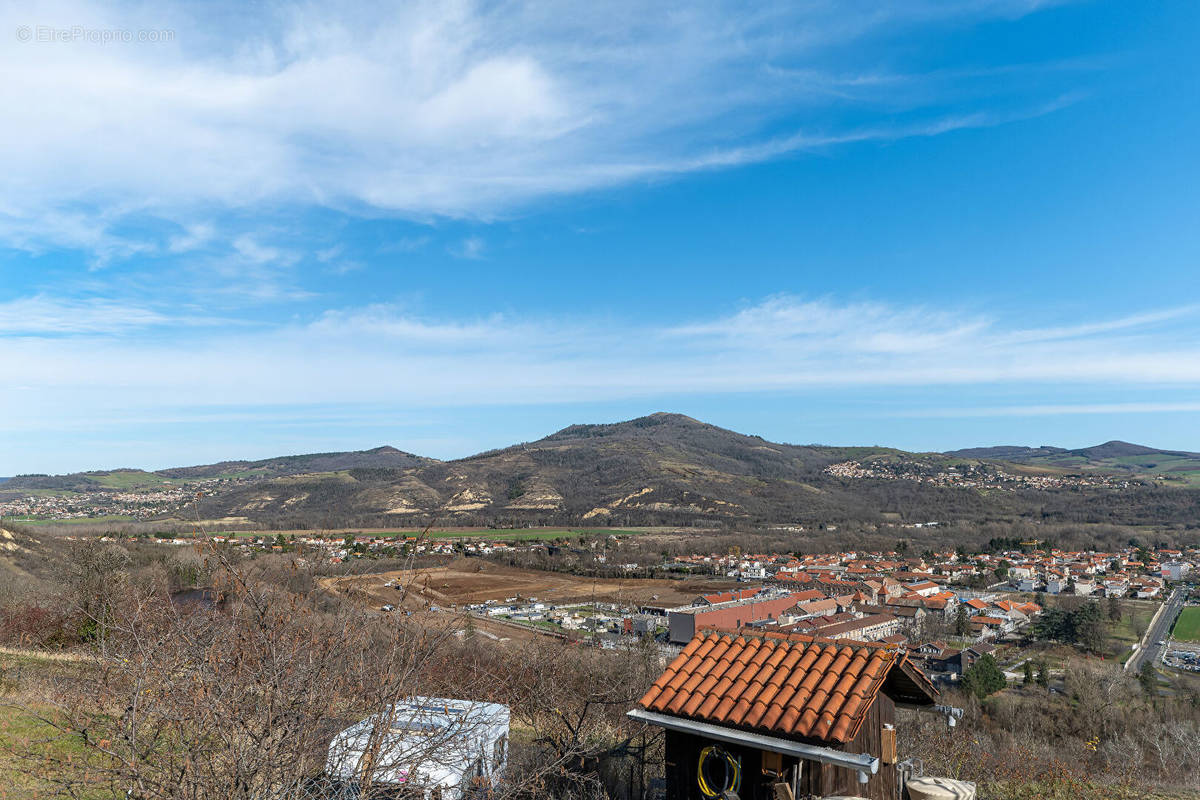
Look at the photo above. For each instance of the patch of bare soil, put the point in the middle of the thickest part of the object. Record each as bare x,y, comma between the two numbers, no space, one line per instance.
468,581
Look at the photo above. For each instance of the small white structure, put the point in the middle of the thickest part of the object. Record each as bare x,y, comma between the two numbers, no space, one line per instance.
1176,570
434,748
940,789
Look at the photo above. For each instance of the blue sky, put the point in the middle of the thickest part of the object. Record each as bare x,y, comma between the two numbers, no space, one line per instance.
452,226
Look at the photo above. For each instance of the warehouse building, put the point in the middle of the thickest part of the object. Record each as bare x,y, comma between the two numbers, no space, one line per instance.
684,623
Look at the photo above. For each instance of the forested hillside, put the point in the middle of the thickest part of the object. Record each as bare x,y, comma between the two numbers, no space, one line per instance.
1111,457
663,469
671,469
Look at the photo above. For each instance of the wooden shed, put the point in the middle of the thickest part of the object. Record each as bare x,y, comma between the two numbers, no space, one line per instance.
790,714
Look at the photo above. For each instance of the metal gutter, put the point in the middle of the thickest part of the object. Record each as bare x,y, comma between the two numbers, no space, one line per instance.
866,765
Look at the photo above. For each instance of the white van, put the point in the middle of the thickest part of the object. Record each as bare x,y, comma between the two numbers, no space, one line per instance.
434,748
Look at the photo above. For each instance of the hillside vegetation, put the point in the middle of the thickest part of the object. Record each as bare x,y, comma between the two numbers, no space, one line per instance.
1111,457
664,469
379,457
674,470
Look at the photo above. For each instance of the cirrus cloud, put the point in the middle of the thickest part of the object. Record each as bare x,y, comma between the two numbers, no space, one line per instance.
428,109
60,352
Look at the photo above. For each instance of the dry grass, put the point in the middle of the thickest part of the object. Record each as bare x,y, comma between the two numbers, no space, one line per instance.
26,678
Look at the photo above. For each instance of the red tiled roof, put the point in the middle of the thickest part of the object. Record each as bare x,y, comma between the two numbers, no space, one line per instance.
835,582
852,625
817,606
784,683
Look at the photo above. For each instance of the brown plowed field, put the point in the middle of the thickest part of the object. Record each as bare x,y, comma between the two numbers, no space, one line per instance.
474,581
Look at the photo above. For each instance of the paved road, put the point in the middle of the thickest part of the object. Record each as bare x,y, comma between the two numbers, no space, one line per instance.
1150,648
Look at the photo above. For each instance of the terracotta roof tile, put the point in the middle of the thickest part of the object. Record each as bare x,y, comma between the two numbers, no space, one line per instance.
784,683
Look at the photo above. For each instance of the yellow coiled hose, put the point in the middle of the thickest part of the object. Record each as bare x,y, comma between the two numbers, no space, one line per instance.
732,772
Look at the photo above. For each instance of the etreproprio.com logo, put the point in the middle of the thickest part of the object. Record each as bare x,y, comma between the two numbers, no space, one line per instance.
51,34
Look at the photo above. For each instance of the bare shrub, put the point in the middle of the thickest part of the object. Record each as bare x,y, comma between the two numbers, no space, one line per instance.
241,697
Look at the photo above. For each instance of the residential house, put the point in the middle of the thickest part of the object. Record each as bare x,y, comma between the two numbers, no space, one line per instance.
798,713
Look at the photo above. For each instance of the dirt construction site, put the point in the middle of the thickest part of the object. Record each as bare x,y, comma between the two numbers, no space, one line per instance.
469,580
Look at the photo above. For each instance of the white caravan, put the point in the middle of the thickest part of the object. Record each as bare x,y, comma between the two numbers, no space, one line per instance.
433,748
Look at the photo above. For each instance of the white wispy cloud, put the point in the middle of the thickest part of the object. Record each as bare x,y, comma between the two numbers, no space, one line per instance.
1132,321
1057,409
251,269
194,236
255,252
46,315
387,354
40,316
425,109
383,324
471,247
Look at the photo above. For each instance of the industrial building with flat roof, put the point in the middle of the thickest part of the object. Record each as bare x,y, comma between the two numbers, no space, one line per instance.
684,623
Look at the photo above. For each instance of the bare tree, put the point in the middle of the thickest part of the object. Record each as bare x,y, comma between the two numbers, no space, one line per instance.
241,697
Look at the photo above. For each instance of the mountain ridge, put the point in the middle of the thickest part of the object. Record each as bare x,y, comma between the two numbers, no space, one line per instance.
670,469
1114,456
663,468
276,466
660,421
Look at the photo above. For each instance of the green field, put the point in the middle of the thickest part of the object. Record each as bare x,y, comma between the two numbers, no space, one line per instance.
72,521
526,534
1127,631
132,479
1187,627
1135,619
44,492
1185,478
481,534
22,732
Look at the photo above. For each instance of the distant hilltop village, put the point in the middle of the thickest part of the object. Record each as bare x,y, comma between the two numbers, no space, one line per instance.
664,469
974,476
